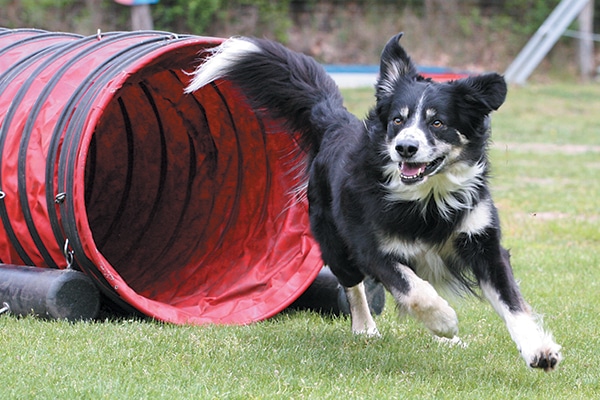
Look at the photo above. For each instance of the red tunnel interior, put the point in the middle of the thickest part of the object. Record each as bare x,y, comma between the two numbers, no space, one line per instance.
186,207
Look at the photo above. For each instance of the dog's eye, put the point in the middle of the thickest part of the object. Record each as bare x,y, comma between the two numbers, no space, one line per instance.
437,123
398,121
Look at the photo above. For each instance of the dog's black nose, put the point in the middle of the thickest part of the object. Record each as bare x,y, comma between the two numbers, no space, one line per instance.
407,147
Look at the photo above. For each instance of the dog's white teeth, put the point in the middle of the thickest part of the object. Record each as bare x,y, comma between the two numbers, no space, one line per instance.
411,170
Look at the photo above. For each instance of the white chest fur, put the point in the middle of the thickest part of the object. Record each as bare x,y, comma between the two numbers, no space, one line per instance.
430,261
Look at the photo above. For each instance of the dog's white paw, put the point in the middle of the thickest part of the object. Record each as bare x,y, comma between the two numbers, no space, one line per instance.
426,305
437,316
365,326
537,347
362,320
546,357
368,332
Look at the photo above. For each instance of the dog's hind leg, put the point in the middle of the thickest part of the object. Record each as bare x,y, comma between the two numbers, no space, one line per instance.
362,321
335,254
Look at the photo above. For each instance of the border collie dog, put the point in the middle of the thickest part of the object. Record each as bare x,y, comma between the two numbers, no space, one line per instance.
402,196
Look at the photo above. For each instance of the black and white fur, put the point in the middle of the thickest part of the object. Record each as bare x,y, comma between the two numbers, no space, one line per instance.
401,196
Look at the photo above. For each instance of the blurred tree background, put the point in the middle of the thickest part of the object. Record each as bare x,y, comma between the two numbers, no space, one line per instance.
471,34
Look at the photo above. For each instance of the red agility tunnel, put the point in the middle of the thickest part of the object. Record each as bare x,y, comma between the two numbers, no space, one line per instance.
182,207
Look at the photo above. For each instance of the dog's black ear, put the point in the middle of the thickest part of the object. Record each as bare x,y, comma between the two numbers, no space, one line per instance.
484,93
395,64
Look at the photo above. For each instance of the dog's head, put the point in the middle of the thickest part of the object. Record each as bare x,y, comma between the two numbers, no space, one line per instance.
431,128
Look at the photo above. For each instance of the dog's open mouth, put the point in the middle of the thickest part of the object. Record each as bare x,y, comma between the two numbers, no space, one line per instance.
416,172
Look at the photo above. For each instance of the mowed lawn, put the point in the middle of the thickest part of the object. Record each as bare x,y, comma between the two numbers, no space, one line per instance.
546,183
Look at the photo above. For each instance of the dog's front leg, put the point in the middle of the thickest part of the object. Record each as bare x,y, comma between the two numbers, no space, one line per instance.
494,273
536,346
420,299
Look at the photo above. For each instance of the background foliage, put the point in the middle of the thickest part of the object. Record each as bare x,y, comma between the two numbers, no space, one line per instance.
472,34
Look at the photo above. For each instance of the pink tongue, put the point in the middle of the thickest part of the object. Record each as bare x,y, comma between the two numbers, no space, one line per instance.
411,169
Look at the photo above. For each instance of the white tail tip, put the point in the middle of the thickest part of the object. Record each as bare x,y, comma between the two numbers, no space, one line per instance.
220,60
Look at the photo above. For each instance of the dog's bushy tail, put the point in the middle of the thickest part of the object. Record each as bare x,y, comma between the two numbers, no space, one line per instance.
287,85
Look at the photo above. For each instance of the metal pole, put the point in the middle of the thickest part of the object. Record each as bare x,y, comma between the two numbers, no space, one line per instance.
586,42
141,18
543,40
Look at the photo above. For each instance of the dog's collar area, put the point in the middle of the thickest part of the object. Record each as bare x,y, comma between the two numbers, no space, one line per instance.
415,172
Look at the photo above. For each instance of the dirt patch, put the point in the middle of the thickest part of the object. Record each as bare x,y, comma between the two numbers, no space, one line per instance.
547,148
555,215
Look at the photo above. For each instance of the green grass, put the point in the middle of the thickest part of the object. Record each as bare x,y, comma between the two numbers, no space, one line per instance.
550,210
